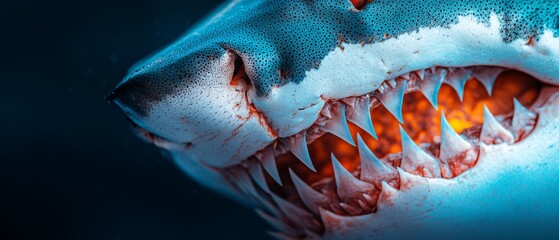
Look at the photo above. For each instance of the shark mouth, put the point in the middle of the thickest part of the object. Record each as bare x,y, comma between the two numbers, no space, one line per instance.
430,123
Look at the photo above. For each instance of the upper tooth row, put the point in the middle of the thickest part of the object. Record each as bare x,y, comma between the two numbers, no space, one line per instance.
357,111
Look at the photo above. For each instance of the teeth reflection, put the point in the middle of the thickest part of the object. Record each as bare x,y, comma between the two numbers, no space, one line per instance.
415,160
492,132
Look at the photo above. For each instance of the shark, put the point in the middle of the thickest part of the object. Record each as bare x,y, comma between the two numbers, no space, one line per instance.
365,119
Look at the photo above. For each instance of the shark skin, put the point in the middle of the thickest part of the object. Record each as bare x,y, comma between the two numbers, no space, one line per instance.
300,54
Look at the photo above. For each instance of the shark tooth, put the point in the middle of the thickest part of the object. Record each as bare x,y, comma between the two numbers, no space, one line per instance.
415,160
350,101
369,199
244,183
457,79
408,180
387,194
455,151
393,99
351,210
277,224
430,88
391,82
420,74
268,161
362,116
492,132
522,120
348,187
405,76
373,170
298,146
257,175
364,205
326,112
331,220
338,124
311,198
487,76
296,214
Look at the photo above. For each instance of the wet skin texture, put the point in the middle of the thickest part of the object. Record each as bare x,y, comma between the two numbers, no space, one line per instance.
183,99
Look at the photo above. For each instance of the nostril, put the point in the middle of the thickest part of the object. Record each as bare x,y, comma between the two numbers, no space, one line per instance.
239,74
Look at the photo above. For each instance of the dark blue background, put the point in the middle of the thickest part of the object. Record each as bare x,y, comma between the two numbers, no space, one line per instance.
69,166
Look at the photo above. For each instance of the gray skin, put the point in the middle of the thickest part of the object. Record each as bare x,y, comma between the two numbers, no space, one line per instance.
183,98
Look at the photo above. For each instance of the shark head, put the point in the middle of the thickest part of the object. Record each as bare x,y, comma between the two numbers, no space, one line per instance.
359,119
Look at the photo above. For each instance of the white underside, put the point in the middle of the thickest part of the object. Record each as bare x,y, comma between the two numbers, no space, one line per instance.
512,193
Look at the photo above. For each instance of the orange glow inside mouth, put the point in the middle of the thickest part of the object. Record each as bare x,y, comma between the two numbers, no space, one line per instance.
421,122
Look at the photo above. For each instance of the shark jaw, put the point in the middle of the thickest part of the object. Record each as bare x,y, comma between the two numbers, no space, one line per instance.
308,184
333,167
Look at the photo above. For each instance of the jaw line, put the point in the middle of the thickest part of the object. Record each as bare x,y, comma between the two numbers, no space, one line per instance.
506,185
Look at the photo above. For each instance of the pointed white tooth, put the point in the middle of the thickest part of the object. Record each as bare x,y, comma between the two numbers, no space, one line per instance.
392,82
242,179
487,76
351,210
326,112
269,163
369,199
350,101
373,170
455,151
387,194
298,146
492,132
311,198
457,79
364,205
417,161
431,86
420,74
338,124
276,223
257,175
408,181
393,99
522,120
405,76
331,220
361,116
348,187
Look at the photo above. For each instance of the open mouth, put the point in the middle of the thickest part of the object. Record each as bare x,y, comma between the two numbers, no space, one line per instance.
429,123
